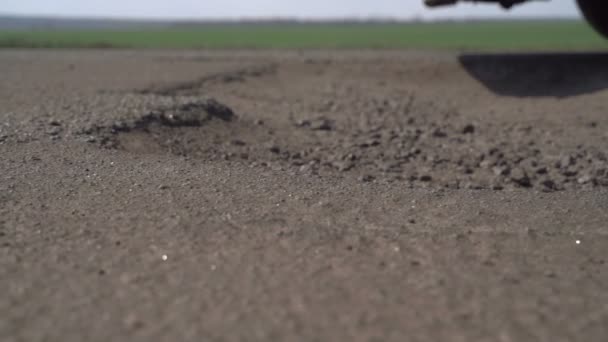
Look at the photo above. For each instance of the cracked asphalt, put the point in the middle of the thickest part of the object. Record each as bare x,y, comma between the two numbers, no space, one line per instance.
302,196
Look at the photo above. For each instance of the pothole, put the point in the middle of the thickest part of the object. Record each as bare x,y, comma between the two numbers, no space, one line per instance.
399,143
146,133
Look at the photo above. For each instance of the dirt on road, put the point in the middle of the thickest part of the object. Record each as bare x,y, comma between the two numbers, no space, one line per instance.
303,196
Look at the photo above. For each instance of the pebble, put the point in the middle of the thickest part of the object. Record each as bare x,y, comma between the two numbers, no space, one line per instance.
426,178
366,178
585,179
54,122
549,185
520,177
468,129
322,125
237,142
54,130
501,170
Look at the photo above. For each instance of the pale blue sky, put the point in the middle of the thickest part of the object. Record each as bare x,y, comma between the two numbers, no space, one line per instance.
231,9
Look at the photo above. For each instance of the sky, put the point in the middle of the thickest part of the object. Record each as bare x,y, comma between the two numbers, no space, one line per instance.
309,9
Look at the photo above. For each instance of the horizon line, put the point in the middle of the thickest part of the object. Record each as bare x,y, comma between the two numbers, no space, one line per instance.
294,19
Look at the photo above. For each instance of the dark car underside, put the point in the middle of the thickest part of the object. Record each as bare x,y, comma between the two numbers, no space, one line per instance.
595,11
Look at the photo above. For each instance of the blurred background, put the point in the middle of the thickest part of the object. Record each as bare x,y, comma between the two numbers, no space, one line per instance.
542,25
312,9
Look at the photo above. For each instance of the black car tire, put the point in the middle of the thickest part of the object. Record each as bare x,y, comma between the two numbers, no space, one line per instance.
596,13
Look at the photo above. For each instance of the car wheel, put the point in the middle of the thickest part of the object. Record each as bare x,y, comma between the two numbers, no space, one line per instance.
596,13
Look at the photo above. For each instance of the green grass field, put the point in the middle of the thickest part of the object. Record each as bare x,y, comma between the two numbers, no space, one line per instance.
512,35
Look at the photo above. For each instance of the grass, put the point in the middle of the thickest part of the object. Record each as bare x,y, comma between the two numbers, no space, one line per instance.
511,35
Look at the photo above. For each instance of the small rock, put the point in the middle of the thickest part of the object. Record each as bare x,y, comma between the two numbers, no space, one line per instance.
366,178
371,143
520,177
497,186
550,274
439,133
120,126
549,185
389,167
426,178
275,149
322,125
415,151
305,168
302,123
486,164
468,129
585,179
350,157
570,172
55,130
54,122
195,113
343,166
566,161
190,117
501,170
477,186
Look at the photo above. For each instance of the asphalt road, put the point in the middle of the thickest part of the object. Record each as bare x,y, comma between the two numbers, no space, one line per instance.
303,196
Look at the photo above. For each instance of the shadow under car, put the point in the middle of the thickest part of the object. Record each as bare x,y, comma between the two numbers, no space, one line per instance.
539,74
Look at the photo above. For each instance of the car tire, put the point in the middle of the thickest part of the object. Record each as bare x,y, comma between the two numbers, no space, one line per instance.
596,13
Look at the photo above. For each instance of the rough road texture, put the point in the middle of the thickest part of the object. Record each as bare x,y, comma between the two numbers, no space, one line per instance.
309,196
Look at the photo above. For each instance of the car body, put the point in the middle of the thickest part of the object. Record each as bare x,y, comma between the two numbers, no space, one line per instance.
595,11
